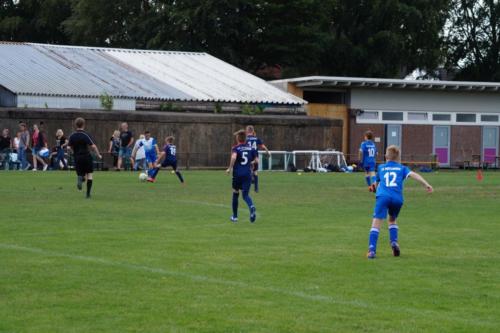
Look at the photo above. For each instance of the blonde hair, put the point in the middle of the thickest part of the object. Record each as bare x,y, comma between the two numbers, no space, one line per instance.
250,129
116,134
59,132
142,136
170,139
392,153
241,136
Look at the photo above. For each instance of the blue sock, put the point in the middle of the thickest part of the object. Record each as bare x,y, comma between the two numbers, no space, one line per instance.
153,172
368,180
256,183
374,179
372,246
247,199
235,204
393,232
179,176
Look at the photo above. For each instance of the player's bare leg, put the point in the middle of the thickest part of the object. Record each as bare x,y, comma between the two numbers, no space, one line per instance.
372,243
393,235
371,183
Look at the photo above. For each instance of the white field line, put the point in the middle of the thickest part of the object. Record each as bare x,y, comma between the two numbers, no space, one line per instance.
193,277
433,314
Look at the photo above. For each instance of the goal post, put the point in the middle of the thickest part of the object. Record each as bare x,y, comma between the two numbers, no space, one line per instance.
314,160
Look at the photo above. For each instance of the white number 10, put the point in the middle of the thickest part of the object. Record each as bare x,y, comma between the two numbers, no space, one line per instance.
390,179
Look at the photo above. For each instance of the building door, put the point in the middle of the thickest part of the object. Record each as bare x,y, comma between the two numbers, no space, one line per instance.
393,135
442,145
490,144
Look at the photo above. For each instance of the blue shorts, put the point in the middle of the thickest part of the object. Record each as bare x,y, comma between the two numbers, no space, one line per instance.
242,183
167,163
384,204
369,167
125,152
151,157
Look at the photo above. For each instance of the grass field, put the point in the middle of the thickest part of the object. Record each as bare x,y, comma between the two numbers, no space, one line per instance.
163,258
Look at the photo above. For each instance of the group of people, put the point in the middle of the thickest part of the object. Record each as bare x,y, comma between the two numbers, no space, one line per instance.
14,151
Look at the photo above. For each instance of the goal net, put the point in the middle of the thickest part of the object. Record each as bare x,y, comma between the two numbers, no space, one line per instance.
307,160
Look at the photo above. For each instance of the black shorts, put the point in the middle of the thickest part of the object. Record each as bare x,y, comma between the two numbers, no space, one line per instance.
167,163
242,183
84,164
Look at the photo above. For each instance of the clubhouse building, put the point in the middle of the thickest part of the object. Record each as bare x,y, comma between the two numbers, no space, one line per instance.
455,123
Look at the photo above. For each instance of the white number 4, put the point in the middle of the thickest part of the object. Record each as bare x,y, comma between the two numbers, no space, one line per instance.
390,179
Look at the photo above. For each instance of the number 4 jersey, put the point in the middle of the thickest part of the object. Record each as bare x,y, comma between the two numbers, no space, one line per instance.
390,177
244,157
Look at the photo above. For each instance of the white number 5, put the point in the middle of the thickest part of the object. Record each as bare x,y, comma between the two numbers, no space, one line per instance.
244,155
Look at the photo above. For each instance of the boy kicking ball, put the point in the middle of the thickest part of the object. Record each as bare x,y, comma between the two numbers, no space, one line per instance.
390,179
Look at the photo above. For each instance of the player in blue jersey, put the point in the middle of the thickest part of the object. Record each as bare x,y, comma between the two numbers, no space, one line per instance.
368,159
169,157
243,158
151,150
255,143
390,179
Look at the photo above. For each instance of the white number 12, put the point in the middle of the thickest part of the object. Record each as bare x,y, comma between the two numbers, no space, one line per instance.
390,179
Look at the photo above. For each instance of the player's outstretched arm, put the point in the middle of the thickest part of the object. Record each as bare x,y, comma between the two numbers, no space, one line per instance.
422,181
263,146
231,163
160,157
94,148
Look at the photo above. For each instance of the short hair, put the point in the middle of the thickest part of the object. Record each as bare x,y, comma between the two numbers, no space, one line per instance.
250,129
369,135
170,139
147,132
392,153
79,122
241,135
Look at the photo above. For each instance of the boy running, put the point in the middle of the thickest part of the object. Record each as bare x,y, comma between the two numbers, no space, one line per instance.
169,159
255,143
80,142
390,179
243,157
151,150
368,159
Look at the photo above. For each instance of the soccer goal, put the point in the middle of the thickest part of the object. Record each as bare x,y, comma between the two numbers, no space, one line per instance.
312,160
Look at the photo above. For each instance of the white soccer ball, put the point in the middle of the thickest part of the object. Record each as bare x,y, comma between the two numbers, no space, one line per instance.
143,177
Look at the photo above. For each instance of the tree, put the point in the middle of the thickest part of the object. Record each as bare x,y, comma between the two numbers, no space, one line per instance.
473,41
34,20
117,23
383,38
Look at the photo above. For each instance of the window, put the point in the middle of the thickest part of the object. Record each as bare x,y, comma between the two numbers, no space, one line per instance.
441,117
325,97
417,116
392,116
466,118
368,115
489,118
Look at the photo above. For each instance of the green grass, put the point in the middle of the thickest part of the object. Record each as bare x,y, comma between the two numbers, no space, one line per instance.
163,258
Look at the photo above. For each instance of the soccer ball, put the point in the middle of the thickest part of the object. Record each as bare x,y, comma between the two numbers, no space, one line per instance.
143,177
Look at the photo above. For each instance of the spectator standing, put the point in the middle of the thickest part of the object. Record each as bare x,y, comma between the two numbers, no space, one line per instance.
114,147
61,144
24,144
126,142
5,148
39,147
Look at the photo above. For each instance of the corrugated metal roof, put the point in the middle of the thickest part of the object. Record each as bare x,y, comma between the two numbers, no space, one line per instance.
358,82
53,70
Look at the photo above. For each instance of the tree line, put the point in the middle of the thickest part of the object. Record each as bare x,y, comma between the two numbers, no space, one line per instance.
276,38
